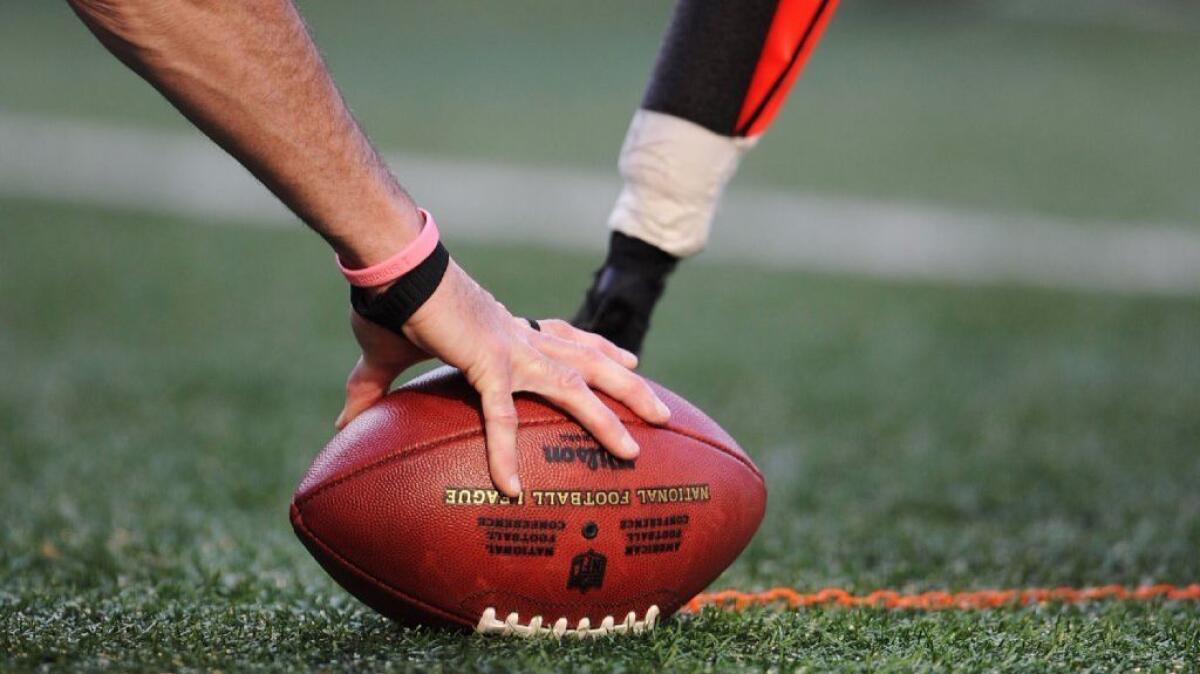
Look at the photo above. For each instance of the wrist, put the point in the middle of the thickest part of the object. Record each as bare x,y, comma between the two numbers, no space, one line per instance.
399,261
378,243
393,307
391,291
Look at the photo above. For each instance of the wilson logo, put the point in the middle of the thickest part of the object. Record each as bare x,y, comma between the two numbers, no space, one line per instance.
592,457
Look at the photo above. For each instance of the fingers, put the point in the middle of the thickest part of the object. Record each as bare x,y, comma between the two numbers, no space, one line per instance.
364,387
603,373
466,327
500,429
567,389
555,369
564,330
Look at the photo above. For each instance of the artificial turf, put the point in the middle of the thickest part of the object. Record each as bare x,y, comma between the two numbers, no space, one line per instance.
164,385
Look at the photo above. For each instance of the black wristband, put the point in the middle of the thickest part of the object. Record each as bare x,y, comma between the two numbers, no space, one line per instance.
398,303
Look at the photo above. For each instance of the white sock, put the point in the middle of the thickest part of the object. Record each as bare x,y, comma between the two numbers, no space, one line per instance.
675,172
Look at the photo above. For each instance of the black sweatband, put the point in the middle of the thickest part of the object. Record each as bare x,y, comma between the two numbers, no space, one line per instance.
398,303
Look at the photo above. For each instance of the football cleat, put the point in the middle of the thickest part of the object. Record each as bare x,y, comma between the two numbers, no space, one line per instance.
625,290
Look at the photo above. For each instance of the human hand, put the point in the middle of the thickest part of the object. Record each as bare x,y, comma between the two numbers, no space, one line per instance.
463,325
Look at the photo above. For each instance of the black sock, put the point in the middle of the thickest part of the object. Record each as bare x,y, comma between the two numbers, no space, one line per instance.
625,290
631,254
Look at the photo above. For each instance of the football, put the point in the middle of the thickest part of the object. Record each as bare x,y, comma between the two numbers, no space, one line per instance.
399,509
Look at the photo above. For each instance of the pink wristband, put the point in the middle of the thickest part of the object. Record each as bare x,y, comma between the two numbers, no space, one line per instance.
399,264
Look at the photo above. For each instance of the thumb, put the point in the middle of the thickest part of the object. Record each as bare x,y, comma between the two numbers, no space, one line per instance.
366,384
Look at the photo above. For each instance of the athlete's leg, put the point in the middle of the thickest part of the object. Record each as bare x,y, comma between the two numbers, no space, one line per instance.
722,74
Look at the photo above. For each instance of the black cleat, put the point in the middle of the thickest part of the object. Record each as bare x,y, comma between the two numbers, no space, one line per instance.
625,290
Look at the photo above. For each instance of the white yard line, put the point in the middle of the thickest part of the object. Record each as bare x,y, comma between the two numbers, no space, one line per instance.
1141,15
185,174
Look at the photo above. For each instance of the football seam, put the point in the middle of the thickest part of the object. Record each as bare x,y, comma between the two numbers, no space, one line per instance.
399,455
434,444
741,458
312,535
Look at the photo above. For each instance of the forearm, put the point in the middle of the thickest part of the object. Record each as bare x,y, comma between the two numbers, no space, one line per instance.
248,74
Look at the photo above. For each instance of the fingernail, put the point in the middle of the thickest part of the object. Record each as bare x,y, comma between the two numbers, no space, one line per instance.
514,484
630,356
630,446
662,408
340,421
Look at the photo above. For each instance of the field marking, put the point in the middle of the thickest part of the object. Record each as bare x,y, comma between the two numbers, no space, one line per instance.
184,174
940,600
1122,14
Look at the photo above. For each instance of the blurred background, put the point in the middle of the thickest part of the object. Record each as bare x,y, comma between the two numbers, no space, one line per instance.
914,119
952,303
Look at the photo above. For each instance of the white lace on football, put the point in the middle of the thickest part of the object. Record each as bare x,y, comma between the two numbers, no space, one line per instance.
488,624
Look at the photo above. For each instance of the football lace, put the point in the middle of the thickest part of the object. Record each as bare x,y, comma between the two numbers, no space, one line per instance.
886,599
511,625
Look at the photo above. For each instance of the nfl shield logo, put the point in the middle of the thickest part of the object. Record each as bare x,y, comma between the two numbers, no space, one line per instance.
587,571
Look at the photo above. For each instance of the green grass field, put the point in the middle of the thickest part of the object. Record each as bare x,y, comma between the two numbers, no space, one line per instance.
166,383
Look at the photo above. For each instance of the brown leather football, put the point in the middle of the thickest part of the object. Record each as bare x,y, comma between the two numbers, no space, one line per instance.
400,510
